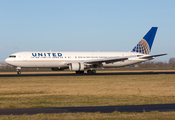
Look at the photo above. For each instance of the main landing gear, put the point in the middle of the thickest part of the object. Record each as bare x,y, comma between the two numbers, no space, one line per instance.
91,71
88,72
18,70
79,72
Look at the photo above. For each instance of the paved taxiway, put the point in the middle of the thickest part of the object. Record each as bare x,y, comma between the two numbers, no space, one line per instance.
102,109
73,74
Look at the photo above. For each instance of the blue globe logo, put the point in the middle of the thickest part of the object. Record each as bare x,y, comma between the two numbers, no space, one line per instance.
142,47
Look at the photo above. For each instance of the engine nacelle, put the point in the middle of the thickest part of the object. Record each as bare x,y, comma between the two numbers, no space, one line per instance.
76,66
57,69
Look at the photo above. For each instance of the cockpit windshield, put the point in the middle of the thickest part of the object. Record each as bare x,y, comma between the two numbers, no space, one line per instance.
12,56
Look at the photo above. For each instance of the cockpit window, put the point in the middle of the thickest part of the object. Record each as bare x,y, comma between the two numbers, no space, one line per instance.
12,56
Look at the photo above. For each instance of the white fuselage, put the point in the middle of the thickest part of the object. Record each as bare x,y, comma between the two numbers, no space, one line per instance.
61,59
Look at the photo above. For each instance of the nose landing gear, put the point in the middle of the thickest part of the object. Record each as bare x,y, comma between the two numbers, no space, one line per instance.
18,70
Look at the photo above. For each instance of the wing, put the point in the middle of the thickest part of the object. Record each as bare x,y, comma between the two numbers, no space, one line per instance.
152,56
107,61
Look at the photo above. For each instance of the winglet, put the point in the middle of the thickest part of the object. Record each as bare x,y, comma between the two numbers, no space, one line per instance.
145,44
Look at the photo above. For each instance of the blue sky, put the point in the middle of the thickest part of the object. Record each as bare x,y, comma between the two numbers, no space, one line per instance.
91,25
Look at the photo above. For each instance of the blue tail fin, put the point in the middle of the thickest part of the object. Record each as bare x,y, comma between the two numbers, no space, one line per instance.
145,44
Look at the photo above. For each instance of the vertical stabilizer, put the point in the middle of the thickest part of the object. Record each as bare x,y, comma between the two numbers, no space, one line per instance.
145,44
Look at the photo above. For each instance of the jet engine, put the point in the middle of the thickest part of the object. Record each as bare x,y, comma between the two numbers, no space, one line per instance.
76,66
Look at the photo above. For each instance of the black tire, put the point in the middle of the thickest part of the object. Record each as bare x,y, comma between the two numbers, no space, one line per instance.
19,72
79,72
89,71
93,71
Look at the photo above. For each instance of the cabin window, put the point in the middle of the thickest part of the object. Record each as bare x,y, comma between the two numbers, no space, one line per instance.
12,56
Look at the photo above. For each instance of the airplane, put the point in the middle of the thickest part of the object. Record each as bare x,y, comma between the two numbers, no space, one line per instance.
81,61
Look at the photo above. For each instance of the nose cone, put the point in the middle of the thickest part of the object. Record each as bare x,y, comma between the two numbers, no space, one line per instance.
7,60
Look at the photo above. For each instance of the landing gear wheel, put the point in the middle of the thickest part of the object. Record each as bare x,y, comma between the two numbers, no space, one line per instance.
91,71
79,72
19,72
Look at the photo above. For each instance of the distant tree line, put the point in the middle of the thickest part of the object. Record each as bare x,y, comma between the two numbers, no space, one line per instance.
158,64
148,64
5,66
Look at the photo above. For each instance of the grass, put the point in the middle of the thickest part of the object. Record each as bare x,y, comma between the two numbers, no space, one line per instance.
64,91
95,116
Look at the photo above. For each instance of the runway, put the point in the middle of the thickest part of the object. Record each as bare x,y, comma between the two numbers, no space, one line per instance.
85,74
102,109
